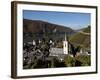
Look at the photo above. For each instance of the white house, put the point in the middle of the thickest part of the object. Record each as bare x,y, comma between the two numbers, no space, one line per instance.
34,43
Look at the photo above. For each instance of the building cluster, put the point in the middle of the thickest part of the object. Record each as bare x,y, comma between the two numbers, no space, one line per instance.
46,50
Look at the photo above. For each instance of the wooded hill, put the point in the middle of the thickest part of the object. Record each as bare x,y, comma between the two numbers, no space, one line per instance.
36,29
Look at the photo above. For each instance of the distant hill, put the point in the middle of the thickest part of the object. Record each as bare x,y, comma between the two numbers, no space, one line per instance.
87,29
82,37
34,29
38,26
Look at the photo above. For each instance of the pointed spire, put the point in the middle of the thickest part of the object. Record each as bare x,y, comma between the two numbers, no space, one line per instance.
65,37
65,45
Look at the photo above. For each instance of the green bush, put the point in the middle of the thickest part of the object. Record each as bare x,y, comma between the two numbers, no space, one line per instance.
57,63
81,60
85,60
69,61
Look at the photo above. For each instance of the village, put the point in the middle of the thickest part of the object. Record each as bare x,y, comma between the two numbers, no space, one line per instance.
47,53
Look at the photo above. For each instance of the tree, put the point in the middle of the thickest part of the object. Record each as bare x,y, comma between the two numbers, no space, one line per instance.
74,49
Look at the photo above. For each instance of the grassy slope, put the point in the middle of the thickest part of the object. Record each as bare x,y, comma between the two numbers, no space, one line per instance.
81,39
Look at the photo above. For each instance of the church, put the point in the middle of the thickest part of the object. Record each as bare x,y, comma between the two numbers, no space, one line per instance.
61,52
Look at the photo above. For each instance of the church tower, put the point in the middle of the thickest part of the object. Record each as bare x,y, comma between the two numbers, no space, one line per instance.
65,46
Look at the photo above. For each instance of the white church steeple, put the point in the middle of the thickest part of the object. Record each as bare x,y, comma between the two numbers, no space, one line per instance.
65,45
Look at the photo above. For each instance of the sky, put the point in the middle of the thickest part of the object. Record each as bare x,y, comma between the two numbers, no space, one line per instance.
69,19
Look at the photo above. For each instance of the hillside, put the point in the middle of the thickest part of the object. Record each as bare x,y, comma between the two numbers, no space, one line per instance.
81,38
36,29
87,29
37,26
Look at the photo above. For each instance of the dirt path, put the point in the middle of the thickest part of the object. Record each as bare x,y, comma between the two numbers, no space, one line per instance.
84,33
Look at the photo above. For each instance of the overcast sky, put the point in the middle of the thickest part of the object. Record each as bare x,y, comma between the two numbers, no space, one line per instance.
69,19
